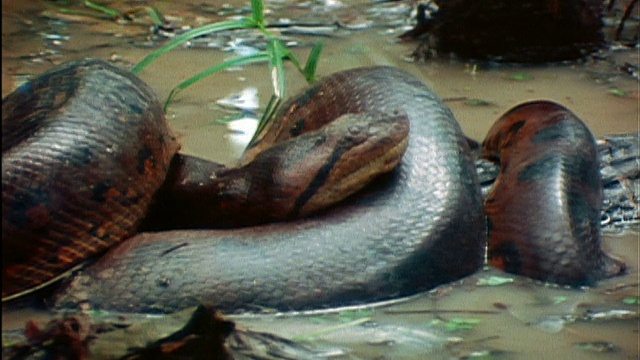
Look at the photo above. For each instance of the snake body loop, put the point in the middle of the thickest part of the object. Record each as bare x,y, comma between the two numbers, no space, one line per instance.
550,176
419,225
84,148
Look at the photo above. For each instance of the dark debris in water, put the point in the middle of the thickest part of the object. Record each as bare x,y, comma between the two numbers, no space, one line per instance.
597,347
200,333
306,22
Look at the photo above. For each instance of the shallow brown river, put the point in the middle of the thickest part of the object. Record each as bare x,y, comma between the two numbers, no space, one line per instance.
521,319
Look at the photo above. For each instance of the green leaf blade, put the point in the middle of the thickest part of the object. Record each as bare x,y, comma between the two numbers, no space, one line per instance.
245,60
189,35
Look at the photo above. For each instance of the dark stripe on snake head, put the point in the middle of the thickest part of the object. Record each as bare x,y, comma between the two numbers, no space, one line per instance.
570,132
323,174
539,170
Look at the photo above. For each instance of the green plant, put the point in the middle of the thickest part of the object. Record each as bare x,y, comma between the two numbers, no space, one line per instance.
276,53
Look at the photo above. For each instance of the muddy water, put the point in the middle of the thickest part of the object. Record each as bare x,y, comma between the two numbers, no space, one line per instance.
521,319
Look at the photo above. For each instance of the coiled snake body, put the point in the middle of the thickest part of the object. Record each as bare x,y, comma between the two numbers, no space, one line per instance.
414,228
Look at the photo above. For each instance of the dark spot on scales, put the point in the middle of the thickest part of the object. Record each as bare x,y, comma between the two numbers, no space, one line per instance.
306,97
570,132
26,200
100,191
129,200
85,155
101,194
81,156
98,231
489,226
511,257
143,155
541,169
298,127
582,211
133,108
515,127
586,171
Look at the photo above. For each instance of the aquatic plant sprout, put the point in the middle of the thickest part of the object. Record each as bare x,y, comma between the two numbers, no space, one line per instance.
276,53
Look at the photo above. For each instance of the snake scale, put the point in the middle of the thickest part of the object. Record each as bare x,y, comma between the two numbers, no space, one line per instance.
417,226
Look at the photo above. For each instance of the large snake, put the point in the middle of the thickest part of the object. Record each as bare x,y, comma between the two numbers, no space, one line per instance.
410,230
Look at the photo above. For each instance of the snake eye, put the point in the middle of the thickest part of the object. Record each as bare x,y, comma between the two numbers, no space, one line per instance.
297,128
515,127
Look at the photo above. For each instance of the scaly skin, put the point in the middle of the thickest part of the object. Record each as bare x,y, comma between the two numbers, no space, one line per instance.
544,209
420,226
72,141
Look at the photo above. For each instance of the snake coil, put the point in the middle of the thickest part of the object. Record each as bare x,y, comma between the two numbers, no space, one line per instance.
88,140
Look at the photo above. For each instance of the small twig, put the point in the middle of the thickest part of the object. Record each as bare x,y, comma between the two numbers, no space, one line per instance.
451,311
627,13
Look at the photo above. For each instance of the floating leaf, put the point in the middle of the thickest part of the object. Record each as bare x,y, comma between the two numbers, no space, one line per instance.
461,324
631,300
348,316
494,281
521,77
559,299
618,92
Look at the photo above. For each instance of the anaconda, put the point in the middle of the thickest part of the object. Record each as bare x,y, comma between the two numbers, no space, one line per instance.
550,176
412,229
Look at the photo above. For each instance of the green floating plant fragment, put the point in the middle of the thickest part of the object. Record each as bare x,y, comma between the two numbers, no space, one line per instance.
349,316
494,281
618,92
478,102
631,300
461,324
521,77
559,299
